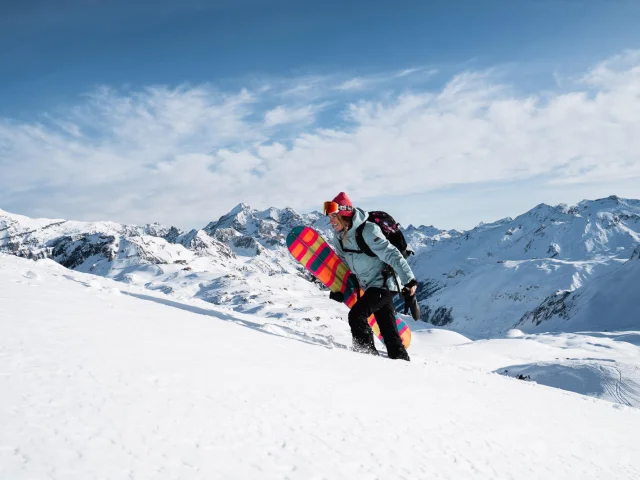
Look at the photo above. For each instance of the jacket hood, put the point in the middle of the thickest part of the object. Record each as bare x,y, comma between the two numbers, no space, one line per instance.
359,217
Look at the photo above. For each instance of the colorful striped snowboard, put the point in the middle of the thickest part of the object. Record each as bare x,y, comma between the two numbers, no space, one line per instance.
314,253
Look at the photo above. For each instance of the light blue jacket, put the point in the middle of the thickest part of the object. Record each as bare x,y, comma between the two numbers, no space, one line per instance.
368,269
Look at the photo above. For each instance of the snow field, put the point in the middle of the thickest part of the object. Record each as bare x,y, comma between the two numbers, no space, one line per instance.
96,384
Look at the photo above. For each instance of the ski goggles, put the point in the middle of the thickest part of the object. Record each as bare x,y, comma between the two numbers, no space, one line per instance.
333,207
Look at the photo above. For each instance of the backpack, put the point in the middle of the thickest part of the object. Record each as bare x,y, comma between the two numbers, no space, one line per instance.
390,229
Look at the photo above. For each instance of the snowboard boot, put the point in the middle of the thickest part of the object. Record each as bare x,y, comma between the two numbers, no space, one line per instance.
401,355
397,351
365,345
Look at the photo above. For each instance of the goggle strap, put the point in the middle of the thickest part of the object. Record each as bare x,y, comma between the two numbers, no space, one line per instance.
333,207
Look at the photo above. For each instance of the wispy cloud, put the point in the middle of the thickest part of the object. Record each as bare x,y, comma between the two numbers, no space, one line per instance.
186,155
376,80
411,71
282,115
352,84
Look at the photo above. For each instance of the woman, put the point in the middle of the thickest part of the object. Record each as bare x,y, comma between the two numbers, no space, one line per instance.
379,289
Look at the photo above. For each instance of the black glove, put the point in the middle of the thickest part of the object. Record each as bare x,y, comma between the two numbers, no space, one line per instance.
337,296
410,301
409,286
411,305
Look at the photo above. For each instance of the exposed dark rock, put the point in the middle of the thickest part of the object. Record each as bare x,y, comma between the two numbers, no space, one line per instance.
72,253
172,235
552,305
439,317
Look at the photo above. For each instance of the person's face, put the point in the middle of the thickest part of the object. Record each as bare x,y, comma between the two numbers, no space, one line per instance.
335,222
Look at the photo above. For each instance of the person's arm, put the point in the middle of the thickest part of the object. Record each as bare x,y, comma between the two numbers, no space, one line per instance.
389,254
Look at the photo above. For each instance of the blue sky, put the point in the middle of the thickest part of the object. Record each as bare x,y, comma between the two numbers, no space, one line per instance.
276,88
55,50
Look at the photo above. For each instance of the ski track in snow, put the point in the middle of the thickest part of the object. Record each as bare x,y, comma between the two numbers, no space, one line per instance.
594,378
96,384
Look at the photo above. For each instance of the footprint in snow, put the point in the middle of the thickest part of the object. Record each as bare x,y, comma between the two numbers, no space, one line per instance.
30,274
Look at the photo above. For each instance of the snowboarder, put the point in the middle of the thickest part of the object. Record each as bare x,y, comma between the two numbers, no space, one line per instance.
378,281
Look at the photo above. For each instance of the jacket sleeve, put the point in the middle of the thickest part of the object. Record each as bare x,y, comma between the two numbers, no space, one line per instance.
386,252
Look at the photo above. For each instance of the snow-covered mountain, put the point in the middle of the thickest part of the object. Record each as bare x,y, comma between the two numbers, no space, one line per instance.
240,261
43,237
270,226
498,275
426,236
608,302
550,262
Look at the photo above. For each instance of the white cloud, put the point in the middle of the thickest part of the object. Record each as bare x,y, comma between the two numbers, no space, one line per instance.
615,71
352,84
282,115
186,155
372,81
412,71
307,87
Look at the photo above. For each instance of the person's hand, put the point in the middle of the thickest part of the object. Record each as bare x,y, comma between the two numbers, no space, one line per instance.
337,296
410,288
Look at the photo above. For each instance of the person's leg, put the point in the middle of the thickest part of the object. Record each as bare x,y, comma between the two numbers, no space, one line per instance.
386,318
361,332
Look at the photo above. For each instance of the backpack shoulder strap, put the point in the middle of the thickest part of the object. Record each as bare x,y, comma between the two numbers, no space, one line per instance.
348,249
361,243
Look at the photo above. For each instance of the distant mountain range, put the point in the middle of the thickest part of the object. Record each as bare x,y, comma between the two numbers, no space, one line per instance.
552,268
528,270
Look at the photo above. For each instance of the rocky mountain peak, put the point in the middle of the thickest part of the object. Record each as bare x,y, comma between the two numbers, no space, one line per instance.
269,226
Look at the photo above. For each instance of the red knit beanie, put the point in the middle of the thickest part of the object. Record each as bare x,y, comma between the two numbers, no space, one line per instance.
342,199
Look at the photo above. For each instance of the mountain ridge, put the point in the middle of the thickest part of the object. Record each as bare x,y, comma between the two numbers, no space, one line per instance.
481,281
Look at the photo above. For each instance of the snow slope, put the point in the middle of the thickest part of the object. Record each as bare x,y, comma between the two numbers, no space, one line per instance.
604,365
608,302
102,379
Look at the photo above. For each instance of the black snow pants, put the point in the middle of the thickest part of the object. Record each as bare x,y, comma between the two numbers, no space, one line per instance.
378,301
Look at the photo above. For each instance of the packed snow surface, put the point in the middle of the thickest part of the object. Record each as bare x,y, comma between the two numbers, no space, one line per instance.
105,379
